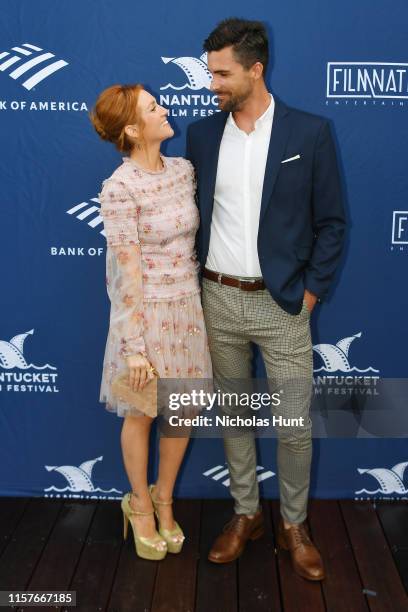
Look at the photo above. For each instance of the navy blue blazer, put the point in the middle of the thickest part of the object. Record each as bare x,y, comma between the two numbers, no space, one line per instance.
302,220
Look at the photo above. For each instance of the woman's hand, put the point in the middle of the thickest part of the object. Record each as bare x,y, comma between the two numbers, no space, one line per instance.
139,373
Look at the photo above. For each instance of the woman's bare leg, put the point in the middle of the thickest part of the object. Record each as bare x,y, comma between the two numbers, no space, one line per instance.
172,451
135,450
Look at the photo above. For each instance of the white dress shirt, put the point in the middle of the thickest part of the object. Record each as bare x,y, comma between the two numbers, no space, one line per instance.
237,197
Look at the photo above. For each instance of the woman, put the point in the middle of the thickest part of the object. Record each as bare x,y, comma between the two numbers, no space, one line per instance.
156,320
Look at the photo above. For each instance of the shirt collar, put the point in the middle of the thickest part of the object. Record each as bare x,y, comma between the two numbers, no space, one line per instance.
263,119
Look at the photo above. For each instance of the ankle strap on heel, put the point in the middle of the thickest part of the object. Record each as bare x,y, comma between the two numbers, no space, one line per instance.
137,512
157,502
140,513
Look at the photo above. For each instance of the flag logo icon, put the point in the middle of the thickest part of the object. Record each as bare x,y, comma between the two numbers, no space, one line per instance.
30,64
220,473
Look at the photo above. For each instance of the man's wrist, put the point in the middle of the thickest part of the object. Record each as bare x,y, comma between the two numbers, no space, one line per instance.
313,295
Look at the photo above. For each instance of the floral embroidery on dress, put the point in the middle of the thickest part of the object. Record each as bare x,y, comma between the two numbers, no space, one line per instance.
150,222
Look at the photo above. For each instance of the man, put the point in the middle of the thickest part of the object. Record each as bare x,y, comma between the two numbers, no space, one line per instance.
271,234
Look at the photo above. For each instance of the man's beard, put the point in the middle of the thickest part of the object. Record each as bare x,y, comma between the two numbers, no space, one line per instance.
235,102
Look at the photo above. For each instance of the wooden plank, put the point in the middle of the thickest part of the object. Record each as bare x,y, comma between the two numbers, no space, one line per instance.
298,594
96,569
394,520
132,589
56,565
330,536
401,562
175,585
27,542
51,544
393,516
11,511
258,583
216,582
385,592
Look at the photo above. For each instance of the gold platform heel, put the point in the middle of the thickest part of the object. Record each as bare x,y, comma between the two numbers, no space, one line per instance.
174,537
154,548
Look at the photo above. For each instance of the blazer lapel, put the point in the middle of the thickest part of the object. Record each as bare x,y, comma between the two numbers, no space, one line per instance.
277,143
213,150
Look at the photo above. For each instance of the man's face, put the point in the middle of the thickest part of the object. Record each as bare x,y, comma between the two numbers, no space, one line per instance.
232,83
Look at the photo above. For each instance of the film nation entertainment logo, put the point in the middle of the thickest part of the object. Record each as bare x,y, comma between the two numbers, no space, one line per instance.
30,66
19,376
399,235
390,483
337,376
367,83
189,96
88,213
79,484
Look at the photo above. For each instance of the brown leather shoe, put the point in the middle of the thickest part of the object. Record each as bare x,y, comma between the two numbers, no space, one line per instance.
231,542
306,559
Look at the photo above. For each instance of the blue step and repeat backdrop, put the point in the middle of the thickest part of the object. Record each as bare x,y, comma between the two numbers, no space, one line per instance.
346,61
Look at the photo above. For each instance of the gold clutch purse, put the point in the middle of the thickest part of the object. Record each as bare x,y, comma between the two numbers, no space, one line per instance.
144,400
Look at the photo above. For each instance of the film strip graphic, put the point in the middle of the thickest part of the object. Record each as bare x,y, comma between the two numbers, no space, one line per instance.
29,57
85,210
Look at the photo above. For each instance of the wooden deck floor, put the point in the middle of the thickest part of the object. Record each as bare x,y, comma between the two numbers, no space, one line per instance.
50,544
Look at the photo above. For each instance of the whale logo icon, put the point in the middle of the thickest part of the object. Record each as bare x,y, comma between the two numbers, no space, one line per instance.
335,356
195,69
79,478
390,481
11,354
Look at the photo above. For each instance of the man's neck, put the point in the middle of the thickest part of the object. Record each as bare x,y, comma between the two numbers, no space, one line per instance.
252,109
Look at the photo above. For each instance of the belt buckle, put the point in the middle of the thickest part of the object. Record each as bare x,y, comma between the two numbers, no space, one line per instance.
246,281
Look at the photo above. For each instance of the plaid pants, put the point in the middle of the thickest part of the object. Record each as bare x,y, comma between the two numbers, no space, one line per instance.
235,318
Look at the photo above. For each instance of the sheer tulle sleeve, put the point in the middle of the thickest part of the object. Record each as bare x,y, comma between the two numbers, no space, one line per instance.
120,216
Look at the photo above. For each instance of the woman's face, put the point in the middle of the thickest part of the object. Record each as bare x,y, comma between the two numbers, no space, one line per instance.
155,126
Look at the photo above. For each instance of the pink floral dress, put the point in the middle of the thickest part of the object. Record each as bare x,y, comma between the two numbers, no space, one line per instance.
150,220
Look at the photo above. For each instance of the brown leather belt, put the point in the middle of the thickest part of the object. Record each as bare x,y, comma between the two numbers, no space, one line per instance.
223,279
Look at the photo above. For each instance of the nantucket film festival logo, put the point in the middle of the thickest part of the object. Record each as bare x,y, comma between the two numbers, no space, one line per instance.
19,376
337,376
88,213
188,93
399,236
31,68
367,83
78,482
389,483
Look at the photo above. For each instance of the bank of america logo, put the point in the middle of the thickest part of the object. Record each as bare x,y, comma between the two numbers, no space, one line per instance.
85,210
380,80
29,58
221,473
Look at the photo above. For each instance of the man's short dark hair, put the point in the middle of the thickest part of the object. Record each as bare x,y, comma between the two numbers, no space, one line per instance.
248,39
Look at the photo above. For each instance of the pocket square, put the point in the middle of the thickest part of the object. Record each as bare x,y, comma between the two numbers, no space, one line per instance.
290,159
